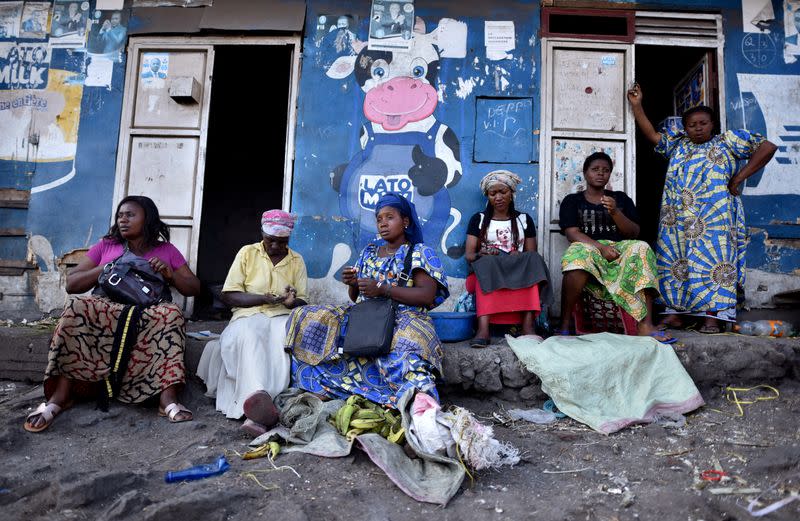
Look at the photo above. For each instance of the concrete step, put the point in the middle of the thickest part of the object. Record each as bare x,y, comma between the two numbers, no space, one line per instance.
709,359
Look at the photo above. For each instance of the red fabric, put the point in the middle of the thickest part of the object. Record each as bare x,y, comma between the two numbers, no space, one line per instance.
504,305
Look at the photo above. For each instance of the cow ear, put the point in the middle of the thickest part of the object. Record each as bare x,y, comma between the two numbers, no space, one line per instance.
450,36
342,67
419,25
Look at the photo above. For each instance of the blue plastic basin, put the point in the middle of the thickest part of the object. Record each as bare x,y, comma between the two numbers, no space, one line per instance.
453,327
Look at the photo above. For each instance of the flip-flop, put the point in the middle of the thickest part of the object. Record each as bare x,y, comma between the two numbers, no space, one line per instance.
48,411
172,411
658,335
260,408
479,343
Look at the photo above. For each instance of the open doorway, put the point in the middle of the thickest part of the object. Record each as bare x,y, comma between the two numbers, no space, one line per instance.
244,171
659,70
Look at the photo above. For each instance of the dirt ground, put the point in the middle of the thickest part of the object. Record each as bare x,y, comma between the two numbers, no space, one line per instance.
96,465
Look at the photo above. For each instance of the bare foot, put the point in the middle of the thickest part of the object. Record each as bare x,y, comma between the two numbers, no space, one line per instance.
670,321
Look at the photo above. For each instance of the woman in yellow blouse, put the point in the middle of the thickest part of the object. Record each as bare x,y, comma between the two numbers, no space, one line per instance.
248,365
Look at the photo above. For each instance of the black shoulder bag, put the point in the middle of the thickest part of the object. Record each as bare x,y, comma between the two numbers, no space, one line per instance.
129,279
369,325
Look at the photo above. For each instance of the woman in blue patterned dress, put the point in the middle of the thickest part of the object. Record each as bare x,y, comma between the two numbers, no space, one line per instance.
416,353
702,236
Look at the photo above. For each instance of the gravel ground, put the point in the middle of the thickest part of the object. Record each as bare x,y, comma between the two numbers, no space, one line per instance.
95,465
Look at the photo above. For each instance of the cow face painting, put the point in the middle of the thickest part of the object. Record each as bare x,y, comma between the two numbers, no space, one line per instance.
405,148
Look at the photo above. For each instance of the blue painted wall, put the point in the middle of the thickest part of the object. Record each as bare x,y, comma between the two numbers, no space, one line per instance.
76,213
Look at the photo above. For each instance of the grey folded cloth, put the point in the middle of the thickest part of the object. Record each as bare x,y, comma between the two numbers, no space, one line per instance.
514,272
304,426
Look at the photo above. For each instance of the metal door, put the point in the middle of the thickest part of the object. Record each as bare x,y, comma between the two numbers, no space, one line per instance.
162,143
584,110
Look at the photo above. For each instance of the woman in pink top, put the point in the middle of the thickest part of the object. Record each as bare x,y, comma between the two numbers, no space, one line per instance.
81,349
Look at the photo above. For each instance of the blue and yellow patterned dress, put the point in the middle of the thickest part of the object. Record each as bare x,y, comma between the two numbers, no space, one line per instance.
702,237
416,356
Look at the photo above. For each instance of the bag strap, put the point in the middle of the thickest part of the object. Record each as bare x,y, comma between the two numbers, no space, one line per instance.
405,275
125,337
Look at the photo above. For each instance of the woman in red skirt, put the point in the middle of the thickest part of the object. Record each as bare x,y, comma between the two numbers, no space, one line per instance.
510,279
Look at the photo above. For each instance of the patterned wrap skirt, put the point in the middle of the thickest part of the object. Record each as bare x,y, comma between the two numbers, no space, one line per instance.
622,280
412,364
83,340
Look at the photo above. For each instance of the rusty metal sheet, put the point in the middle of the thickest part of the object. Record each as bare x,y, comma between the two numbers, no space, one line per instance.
164,20
255,15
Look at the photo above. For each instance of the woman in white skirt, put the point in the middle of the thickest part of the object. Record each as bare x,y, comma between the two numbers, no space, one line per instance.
248,366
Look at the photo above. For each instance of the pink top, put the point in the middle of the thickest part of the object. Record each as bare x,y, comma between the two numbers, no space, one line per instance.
107,250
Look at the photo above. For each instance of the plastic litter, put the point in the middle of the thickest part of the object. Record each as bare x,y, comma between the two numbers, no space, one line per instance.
550,406
776,328
532,415
670,420
198,471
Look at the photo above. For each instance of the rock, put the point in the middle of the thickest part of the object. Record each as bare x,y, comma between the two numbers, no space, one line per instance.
128,504
532,392
777,459
197,505
513,372
97,487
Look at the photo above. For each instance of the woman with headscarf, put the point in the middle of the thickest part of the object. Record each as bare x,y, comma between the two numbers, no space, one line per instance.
248,365
415,358
509,273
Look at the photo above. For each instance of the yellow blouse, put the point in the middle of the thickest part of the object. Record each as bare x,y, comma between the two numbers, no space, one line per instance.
252,271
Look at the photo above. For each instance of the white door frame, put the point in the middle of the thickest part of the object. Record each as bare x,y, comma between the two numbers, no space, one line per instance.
164,42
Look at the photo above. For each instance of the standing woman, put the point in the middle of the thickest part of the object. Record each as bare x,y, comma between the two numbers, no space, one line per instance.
702,236
501,247
80,352
415,358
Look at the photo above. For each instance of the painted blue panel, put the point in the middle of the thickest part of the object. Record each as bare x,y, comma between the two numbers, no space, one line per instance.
504,130
13,217
337,172
13,248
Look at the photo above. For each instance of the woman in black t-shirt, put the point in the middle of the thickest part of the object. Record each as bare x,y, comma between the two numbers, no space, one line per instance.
603,257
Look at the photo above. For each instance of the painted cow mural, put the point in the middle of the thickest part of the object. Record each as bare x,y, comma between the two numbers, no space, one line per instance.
404,148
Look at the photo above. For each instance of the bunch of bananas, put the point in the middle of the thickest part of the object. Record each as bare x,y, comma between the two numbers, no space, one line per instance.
359,415
271,449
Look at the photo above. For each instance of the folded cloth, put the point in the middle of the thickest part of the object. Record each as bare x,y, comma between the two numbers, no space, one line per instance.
431,478
514,272
609,381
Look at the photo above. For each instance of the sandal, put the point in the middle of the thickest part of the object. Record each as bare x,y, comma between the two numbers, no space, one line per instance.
663,338
48,411
479,343
709,329
172,411
259,408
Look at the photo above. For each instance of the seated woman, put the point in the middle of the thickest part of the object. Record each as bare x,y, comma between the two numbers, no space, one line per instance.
501,246
81,349
248,365
416,353
602,257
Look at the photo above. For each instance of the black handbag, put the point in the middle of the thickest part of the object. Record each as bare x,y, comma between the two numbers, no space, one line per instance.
369,325
129,279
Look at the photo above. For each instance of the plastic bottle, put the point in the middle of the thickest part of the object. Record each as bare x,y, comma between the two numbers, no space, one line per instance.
776,328
198,471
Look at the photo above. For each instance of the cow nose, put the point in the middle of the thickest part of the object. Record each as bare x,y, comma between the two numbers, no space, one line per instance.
389,87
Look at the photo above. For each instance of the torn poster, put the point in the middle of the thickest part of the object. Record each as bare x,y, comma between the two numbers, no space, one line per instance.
499,38
35,20
70,21
109,5
757,15
108,34
391,25
155,69
791,27
99,72
10,14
